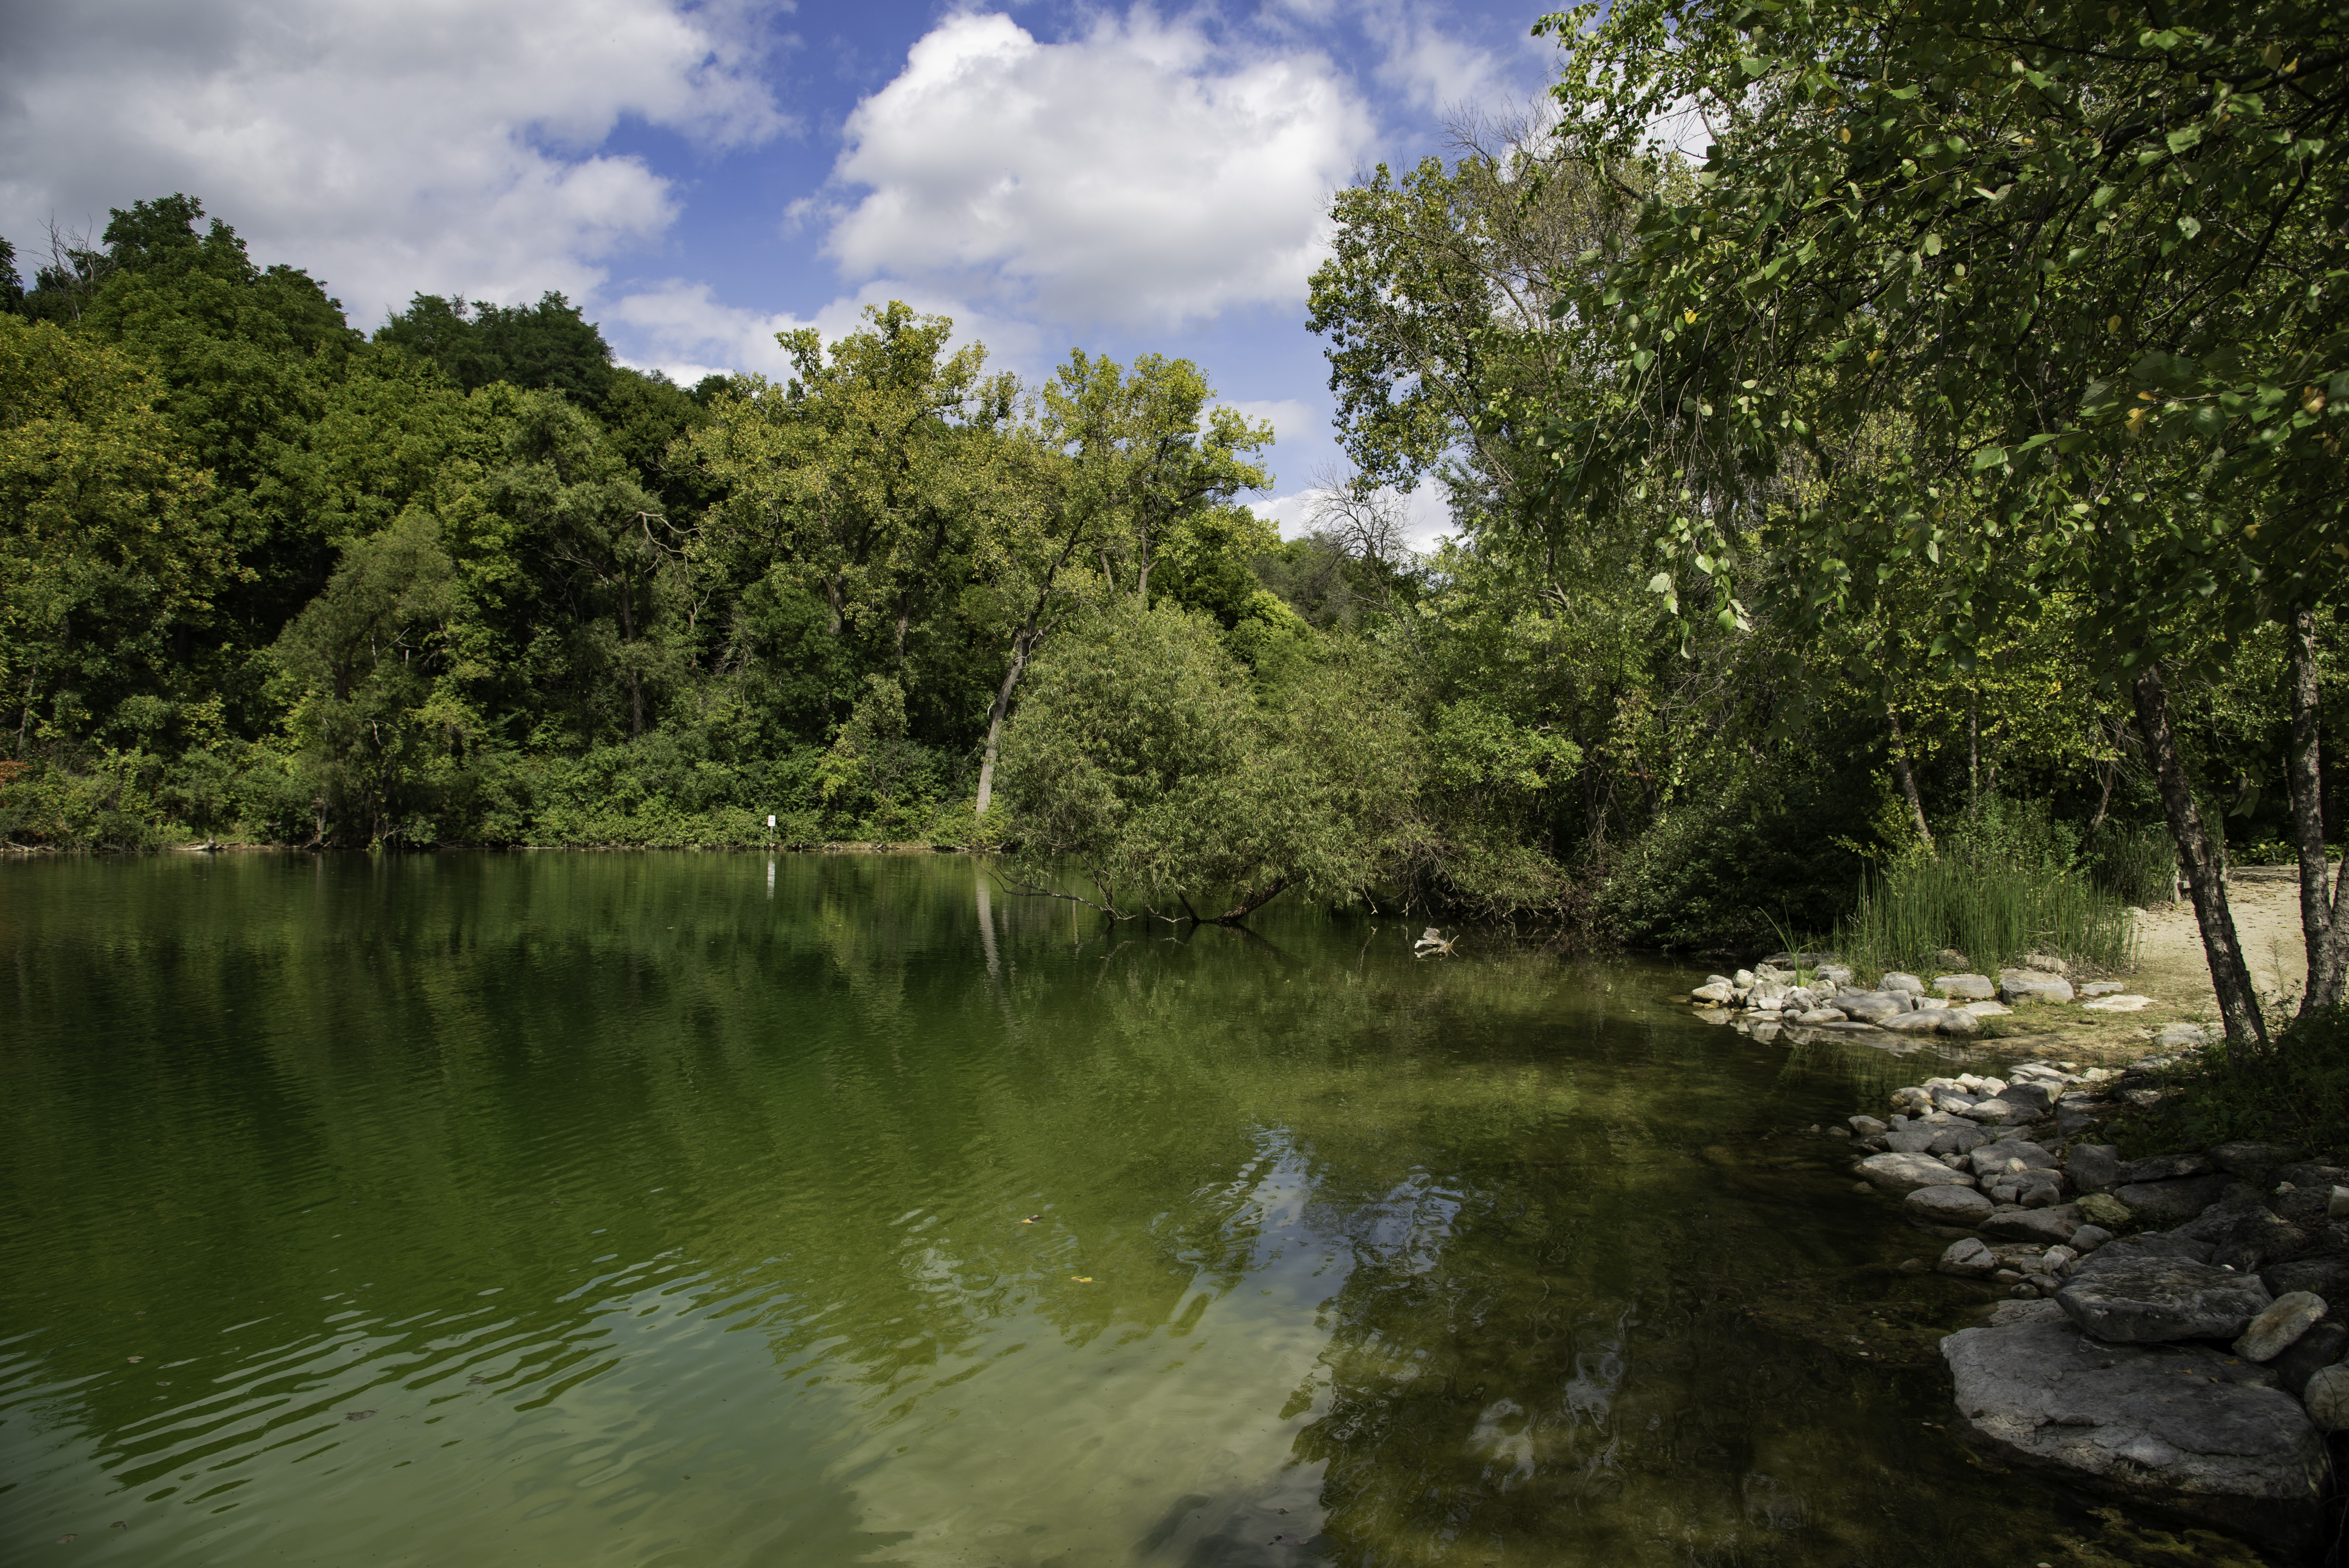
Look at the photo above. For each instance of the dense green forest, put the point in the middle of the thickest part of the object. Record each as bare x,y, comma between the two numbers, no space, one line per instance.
1894,481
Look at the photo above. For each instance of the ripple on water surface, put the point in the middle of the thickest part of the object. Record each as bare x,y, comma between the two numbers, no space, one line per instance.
702,1210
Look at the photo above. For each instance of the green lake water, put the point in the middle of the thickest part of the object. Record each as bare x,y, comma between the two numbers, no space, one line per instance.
638,1208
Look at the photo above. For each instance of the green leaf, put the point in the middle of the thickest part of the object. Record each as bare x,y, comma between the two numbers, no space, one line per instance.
1661,582
1932,244
1988,457
2179,141
2189,227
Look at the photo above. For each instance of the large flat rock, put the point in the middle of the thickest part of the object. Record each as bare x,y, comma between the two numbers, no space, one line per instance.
2169,1427
2172,1202
1901,1174
2134,1295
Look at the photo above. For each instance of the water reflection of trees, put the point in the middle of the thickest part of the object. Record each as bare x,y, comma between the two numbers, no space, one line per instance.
477,1067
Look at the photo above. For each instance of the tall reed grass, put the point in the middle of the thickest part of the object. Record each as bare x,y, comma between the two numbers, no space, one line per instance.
2007,880
2137,865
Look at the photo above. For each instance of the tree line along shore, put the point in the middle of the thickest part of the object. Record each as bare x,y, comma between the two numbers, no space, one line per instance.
1924,508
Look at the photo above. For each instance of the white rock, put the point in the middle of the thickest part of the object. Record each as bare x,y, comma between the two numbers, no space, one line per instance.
2279,1325
2123,1004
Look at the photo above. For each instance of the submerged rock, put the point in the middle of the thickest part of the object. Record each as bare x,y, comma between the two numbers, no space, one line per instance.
2047,1226
2165,1427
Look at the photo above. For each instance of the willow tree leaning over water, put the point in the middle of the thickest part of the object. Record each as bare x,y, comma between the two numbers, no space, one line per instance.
2092,251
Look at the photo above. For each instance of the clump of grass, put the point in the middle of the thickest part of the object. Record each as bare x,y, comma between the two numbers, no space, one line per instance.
2006,880
2294,1090
2137,865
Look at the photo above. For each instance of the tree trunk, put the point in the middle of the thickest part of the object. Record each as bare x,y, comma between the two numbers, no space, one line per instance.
1250,903
1973,758
2320,911
2239,1006
1907,779
628,644
1020,647
832,601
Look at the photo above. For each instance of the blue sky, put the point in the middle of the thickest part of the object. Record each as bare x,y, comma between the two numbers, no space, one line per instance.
702,175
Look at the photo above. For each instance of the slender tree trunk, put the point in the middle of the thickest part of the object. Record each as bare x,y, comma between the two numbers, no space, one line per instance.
831,599
24,718
2320,911
994,716
2239,1006
1973,758
1908,780
905,614
629,645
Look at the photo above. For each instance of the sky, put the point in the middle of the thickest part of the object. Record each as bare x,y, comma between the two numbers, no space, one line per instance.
703,175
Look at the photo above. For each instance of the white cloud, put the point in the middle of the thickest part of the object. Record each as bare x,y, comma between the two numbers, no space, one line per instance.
1293,419
1435,71
1426,517
385,145
1137,173
683,329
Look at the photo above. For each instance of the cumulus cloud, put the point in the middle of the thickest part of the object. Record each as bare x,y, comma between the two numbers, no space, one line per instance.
684,330
1426,517
1137,173
387,145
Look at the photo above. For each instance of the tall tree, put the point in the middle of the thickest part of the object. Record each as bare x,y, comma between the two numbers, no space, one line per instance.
2092,251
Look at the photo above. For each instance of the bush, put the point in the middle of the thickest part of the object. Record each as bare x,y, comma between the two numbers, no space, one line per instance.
2006,880
2294,1090
2137,865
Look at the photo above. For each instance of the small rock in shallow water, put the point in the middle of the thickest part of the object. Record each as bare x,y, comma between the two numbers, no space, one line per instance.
2052,1224
1867,1126
1967,1257
1948,1205
2019,986
2279,1323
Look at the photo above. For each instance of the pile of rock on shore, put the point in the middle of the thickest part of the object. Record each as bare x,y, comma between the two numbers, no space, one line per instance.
2167,1338
1776,992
